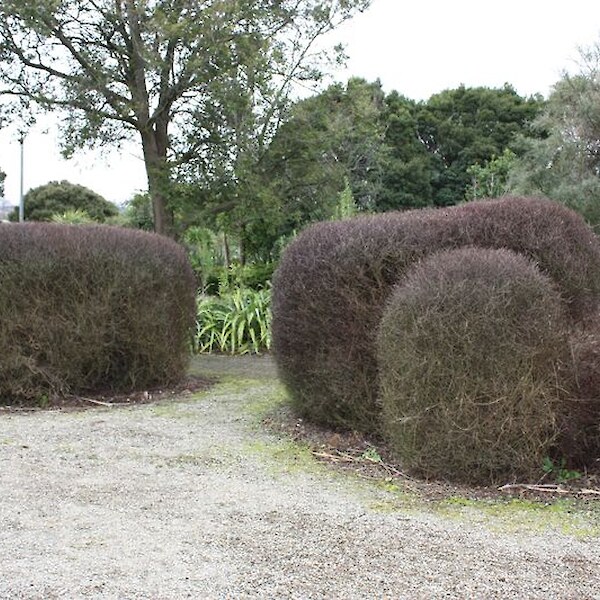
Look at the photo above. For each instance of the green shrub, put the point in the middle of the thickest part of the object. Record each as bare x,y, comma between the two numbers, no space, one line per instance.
58,197
256,276
250,276
91,308
469,348
334,279
72,217
237,322
203,254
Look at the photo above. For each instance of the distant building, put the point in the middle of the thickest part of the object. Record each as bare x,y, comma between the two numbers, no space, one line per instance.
5,208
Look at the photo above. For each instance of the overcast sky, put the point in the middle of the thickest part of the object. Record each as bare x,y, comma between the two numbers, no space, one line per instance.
417,48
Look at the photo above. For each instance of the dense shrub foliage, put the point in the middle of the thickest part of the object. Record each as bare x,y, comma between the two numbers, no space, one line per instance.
580,421
249,276
237,322
469,347
334,279
89,308
58,197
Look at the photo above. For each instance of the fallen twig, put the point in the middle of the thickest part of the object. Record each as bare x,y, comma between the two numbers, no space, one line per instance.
548,489
341,457
335,457
93,401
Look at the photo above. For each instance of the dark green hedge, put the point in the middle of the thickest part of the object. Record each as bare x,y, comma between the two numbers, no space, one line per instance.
90,308
57,197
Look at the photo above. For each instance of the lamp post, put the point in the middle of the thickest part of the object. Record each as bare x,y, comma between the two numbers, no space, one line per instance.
21,196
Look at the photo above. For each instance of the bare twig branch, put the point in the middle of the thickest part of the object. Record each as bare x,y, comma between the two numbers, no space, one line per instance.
547,489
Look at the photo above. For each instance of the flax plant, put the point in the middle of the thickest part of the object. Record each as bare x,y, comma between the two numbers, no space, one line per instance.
237,322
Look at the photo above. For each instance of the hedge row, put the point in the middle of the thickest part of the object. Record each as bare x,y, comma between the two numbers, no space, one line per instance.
334,279
90,308
333,284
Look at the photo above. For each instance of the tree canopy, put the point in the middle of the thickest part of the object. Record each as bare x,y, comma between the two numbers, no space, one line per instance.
393,152
181,76
408,175
467,126
560,157
59,197
329,139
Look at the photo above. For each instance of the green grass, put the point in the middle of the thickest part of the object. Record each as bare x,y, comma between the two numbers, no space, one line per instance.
568,517
174,410
286,456
263,405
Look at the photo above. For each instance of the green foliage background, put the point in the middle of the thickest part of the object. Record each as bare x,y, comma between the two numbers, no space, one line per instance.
59,197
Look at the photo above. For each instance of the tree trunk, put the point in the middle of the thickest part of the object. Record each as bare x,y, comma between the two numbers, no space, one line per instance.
226,250
242,248
157,171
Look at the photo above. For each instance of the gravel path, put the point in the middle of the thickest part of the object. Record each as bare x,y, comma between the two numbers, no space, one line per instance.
190,499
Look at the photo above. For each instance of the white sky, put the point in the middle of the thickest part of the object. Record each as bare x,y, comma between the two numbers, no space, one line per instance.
416,47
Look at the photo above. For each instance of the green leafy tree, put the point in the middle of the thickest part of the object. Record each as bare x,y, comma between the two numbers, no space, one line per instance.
491,179
266,188
137,212
60,197
561,157
180,76
327,139
331,141
468,126
409,169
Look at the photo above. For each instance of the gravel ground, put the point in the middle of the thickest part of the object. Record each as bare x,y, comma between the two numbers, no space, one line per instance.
191,499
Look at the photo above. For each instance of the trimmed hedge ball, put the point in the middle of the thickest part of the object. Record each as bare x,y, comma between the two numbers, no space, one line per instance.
334,279
469,347
89,308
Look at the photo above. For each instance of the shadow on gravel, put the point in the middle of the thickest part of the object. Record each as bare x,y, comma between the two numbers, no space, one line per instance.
249,366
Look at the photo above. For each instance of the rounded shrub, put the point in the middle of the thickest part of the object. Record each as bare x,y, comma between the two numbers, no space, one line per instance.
334,279
58,197
91,308
469,347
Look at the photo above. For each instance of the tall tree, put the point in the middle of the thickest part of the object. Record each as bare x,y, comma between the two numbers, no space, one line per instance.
161,70
331,140
409,166
561,156
467,126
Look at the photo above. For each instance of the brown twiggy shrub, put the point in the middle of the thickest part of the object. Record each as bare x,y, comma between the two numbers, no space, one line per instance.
90,308
580,420
469,347
334,279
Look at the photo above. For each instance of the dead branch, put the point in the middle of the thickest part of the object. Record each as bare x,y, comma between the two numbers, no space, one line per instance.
93,401
547,488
